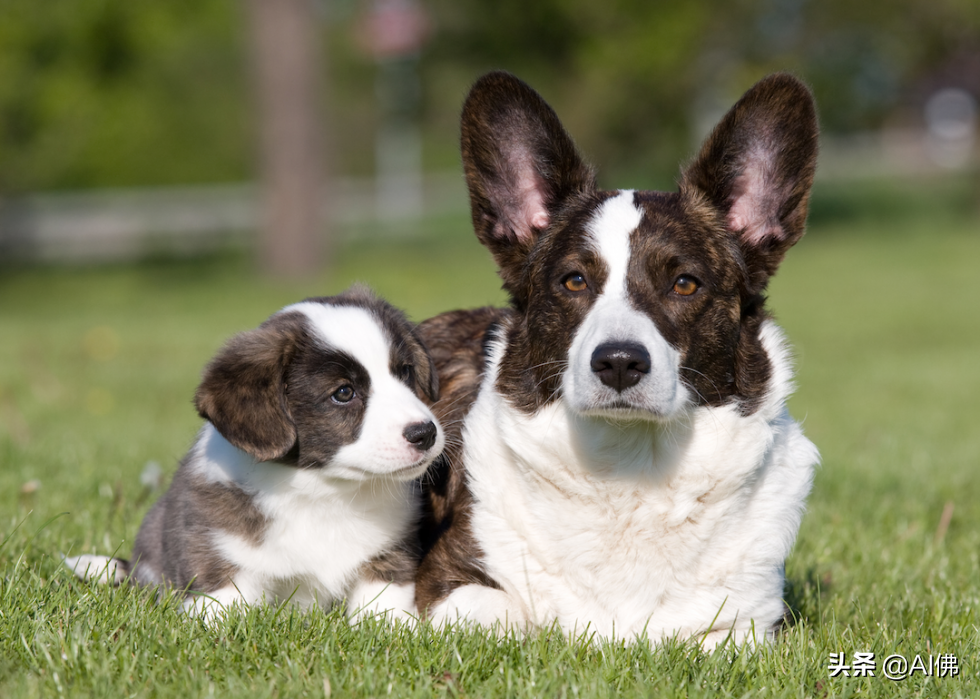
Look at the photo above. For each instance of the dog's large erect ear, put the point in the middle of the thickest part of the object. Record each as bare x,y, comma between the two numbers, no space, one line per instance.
520,165
757,167
243,392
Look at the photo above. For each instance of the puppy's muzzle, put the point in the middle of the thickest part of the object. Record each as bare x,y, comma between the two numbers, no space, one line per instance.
421,435
620,365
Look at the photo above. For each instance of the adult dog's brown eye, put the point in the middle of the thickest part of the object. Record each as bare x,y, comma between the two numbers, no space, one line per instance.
685,285
575,282
344,394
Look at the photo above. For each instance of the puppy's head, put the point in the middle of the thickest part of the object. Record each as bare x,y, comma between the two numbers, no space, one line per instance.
334,383
637,304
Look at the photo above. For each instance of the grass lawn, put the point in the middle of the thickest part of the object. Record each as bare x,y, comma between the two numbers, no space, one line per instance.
98,366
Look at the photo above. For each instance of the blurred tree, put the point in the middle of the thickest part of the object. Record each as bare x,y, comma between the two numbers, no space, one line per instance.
286,58
114,92
121,92
637,81
620,73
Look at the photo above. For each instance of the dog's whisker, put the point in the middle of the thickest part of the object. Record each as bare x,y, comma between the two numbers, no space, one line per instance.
705,376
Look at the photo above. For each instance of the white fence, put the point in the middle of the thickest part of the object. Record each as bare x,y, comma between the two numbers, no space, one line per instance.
130,223
127,224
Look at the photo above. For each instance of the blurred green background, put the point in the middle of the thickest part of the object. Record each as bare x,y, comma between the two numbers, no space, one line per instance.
112,93
115,111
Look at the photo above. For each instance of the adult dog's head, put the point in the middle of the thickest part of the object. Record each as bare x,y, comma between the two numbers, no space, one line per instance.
635,304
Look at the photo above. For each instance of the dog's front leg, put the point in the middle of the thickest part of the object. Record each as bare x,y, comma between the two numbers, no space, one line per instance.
478,604
211,606
396,601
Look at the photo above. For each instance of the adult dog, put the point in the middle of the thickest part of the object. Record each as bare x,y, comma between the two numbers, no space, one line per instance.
620,455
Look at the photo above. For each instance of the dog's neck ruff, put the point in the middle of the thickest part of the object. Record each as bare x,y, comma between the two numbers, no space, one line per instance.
632,527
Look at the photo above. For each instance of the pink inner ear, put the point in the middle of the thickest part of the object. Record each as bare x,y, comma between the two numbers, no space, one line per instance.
535,213
755,202
531,213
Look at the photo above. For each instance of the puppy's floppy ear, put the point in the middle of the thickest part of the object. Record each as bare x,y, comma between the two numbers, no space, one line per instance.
756,169
243,392
520,167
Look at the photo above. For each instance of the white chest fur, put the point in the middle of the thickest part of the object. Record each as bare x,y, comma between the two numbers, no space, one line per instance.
313,548
318,532
632,527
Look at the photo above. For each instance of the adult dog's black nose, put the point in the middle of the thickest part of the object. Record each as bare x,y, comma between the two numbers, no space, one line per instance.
421,435
620,365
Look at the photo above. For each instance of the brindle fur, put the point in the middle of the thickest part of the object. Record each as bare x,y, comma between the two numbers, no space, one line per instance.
456,344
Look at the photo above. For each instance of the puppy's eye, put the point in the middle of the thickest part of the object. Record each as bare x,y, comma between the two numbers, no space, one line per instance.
344,394
685,285
575,282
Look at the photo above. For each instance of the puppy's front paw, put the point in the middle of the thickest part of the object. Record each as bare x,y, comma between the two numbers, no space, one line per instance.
378,598
211,607
100,569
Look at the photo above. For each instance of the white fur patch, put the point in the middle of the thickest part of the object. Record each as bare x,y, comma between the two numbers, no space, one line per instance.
480,605
610,230
213,605
613,319
381,448
319,535
99,569
636,527
376,598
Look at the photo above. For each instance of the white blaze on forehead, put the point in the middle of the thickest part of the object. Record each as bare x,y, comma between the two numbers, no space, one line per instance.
614,319
610,231
381,447
351,330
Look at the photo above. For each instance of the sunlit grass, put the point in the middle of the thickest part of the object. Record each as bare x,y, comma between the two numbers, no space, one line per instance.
98,366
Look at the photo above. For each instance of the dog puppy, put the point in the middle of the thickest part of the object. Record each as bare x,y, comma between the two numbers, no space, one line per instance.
302,484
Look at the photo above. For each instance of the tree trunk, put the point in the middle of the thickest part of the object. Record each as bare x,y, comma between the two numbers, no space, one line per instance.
286,57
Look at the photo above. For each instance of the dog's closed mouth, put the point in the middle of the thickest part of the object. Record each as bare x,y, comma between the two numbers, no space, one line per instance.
413,471
622,410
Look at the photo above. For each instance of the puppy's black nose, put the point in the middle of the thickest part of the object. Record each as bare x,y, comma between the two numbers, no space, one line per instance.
421,435
620,365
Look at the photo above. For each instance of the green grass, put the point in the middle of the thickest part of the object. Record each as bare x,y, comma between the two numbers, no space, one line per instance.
98,365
